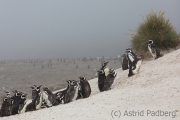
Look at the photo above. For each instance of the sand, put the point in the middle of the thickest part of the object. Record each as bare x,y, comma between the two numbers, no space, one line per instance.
155,90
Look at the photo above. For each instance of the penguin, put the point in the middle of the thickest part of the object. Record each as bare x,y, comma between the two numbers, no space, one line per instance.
85,87
101,79
109,80
77,88
6,107
36,99
39,98
19,100
49,97
9,95
21,103
71,91
17,95
124,62
132,60
154,50
60,96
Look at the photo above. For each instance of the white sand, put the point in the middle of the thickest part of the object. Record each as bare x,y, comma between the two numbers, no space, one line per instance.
156,87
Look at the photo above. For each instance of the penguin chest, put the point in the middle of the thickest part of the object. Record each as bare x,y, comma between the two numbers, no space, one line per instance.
106,71
86,89
46,99
75,94
131,57
39,101
152,51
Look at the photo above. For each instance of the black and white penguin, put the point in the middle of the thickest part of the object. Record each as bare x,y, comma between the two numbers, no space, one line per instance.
21,103
109,80
9,95
6,108
48,97
154,50
124,62
102,74
60,96
17,95
71,91
133,61
19,100
85,87
37,98
78,89
101,79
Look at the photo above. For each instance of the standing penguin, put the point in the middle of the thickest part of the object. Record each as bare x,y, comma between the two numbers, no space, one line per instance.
154,50
60,96
71,91
85,87
109,80
6,107
101,79
37,99
49,98
124,62
132,60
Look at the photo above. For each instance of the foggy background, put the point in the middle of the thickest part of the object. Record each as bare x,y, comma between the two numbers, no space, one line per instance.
34,29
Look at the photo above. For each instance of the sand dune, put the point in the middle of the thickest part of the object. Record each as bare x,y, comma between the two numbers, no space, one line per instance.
156,87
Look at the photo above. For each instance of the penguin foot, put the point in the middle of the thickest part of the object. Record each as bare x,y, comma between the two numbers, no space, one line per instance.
129,75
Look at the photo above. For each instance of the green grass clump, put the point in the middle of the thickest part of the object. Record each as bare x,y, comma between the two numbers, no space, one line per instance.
154,27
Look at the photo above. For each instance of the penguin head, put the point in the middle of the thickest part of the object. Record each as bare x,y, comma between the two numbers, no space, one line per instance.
150,41
33,87
17,93
45,88
68,81
74,83
8,93
71,82
82,78
128,50
38,88
7,101
23,96
105,63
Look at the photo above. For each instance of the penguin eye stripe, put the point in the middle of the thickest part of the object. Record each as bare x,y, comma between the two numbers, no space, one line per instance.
23,97
18,94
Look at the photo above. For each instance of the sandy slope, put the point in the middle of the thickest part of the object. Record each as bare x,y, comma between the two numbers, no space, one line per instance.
156,87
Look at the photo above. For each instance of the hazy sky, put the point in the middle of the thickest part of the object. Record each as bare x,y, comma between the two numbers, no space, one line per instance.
73,28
